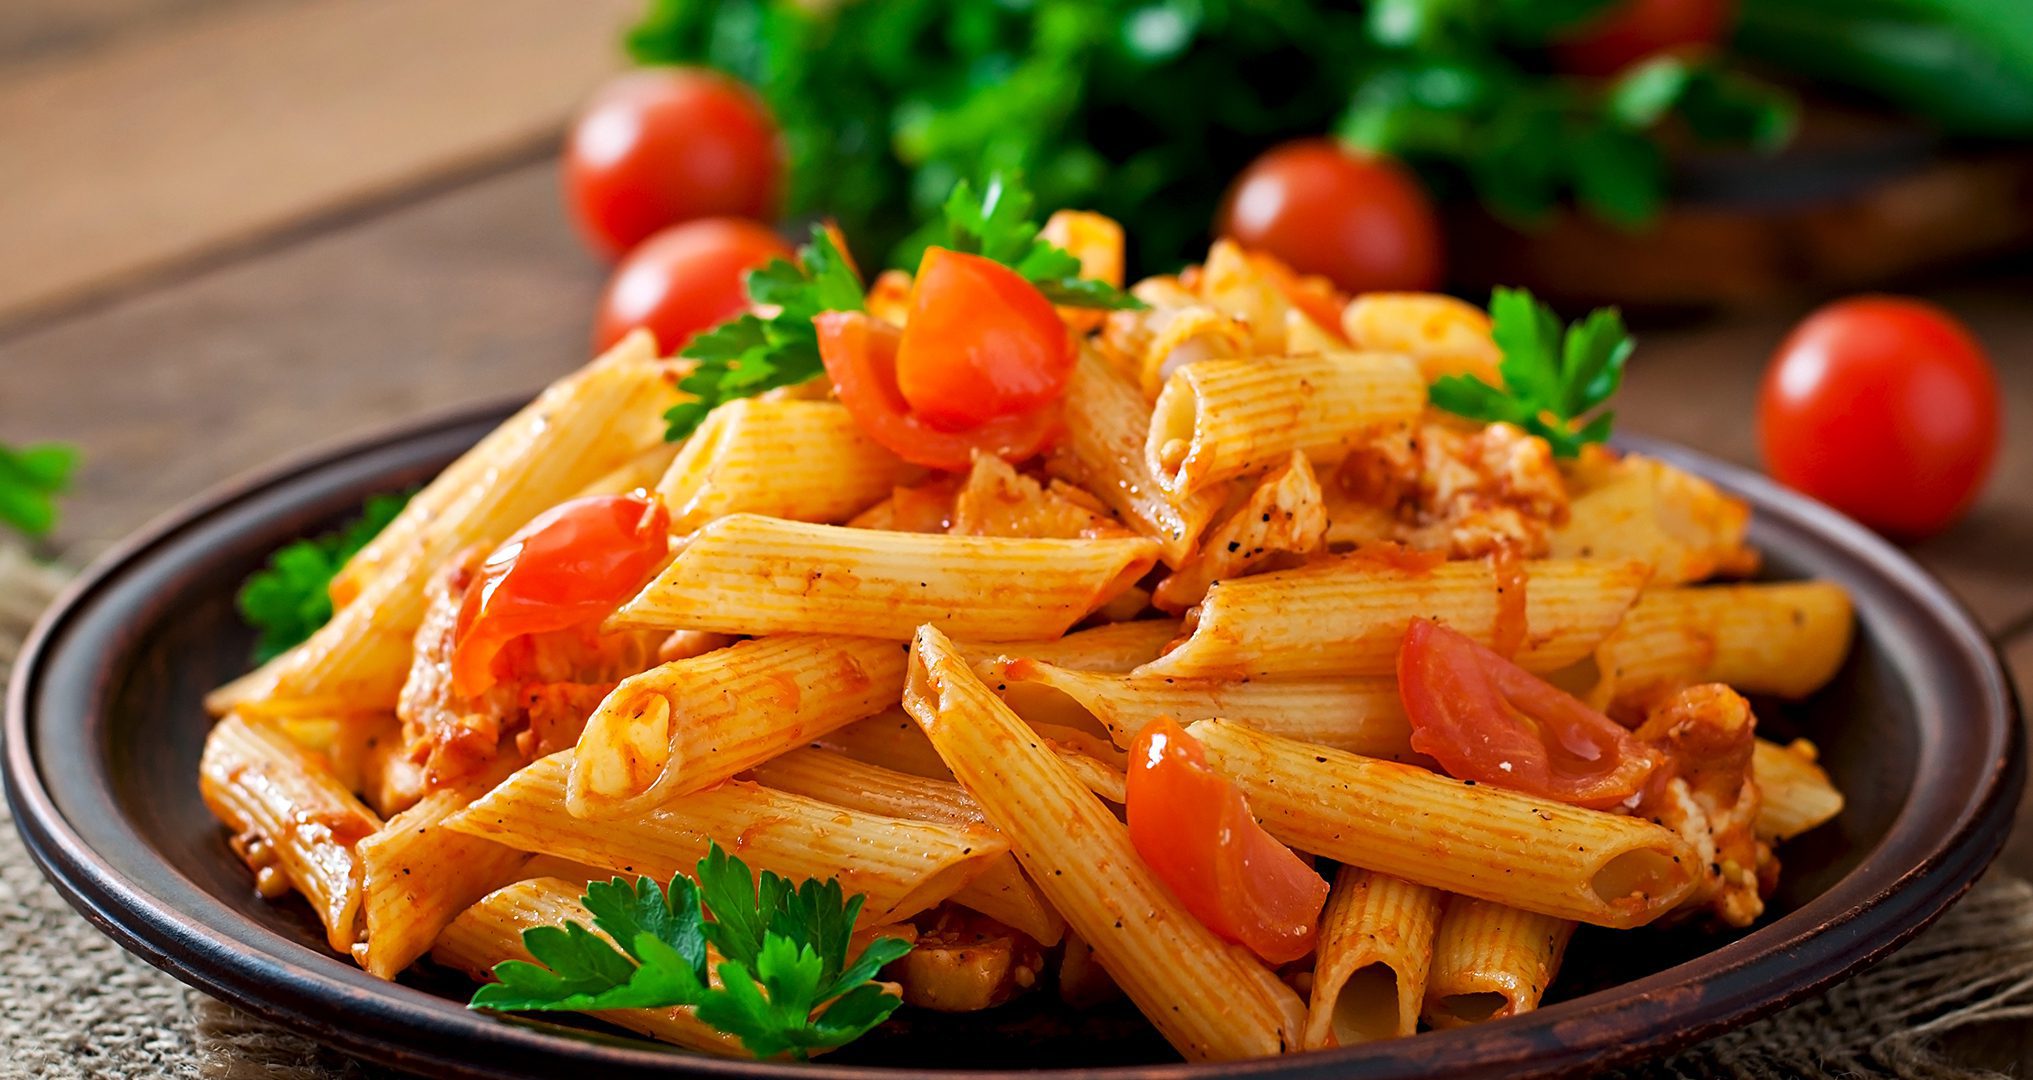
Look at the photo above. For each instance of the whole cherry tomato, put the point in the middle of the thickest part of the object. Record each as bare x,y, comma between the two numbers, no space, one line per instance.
1193,828
665,145
1363,222
980,343
1886,409
571,565
1635,30
684,279
1486,719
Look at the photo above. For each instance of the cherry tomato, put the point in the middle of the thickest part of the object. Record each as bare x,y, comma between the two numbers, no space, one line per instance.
1194,830
980,343
1886,409
1637,30
860,354
572,565
1362,222
664,145
684,279
1486,719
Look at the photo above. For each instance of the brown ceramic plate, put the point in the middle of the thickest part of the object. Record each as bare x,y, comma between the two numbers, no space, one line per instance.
103,731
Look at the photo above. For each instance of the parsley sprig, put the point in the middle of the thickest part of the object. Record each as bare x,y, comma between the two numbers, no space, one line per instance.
1552,378
31,478
288,599
751,353
996,224
783,956
778,346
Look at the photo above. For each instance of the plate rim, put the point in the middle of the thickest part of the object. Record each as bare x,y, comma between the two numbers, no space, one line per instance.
1595,1030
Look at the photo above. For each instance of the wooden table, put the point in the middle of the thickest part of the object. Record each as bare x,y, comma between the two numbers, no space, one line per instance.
374,231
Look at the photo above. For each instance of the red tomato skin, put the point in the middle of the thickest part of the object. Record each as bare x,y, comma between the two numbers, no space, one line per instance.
571,565
860,356
1362,222
1885,408
683,280
1638,30
1193,828
980,343
1486,719
660,146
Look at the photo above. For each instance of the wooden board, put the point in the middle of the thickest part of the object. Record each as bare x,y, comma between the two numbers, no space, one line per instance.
204,132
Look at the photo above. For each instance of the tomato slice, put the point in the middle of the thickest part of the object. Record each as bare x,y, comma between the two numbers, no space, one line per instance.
1486,719
981,343
572,565
1194,830
860,354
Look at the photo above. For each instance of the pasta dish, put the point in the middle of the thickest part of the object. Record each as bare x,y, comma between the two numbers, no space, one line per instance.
1271,657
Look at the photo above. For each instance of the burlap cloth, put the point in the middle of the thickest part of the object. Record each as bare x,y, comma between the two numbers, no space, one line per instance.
73,1004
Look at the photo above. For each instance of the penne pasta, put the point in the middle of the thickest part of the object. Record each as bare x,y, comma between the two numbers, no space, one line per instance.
799,460
490,932
1212,1000
1795,794
293,823
1107,421
1401,820
757,575
903,867
1346,616
1362,716
1116,647
418,876
1446,336
1220,419
1785,639
1285,516
1376,945
692,723
1001,892
1491,961
890,739
581,428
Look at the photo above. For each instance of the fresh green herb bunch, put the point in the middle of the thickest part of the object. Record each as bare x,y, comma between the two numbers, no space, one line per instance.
787,985
31,478
1145,110
1551,378
289,598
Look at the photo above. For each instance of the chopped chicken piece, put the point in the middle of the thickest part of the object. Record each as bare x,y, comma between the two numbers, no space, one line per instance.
1711,798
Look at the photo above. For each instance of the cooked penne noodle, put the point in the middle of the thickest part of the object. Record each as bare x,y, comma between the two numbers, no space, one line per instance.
756,575
1002,892
419,876
1107,420
1491,961
1220,419
1634,507
290,817
1376,943
1212,1000
1446,336
582,427
903,867
1286,515
1363,716
890,739
799,460
1540,855
691,723
490,932
1116,647
1794,792
1345,617
638,473
1783,638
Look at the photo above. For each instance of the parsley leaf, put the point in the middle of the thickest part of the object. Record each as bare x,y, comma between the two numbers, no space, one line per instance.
31,478
288,599
996,224
751,353
1552,377
783,955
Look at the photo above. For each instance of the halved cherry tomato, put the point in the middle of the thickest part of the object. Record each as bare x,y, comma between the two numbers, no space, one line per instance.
1194,830
860,354
1486,719
980,343
572,565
